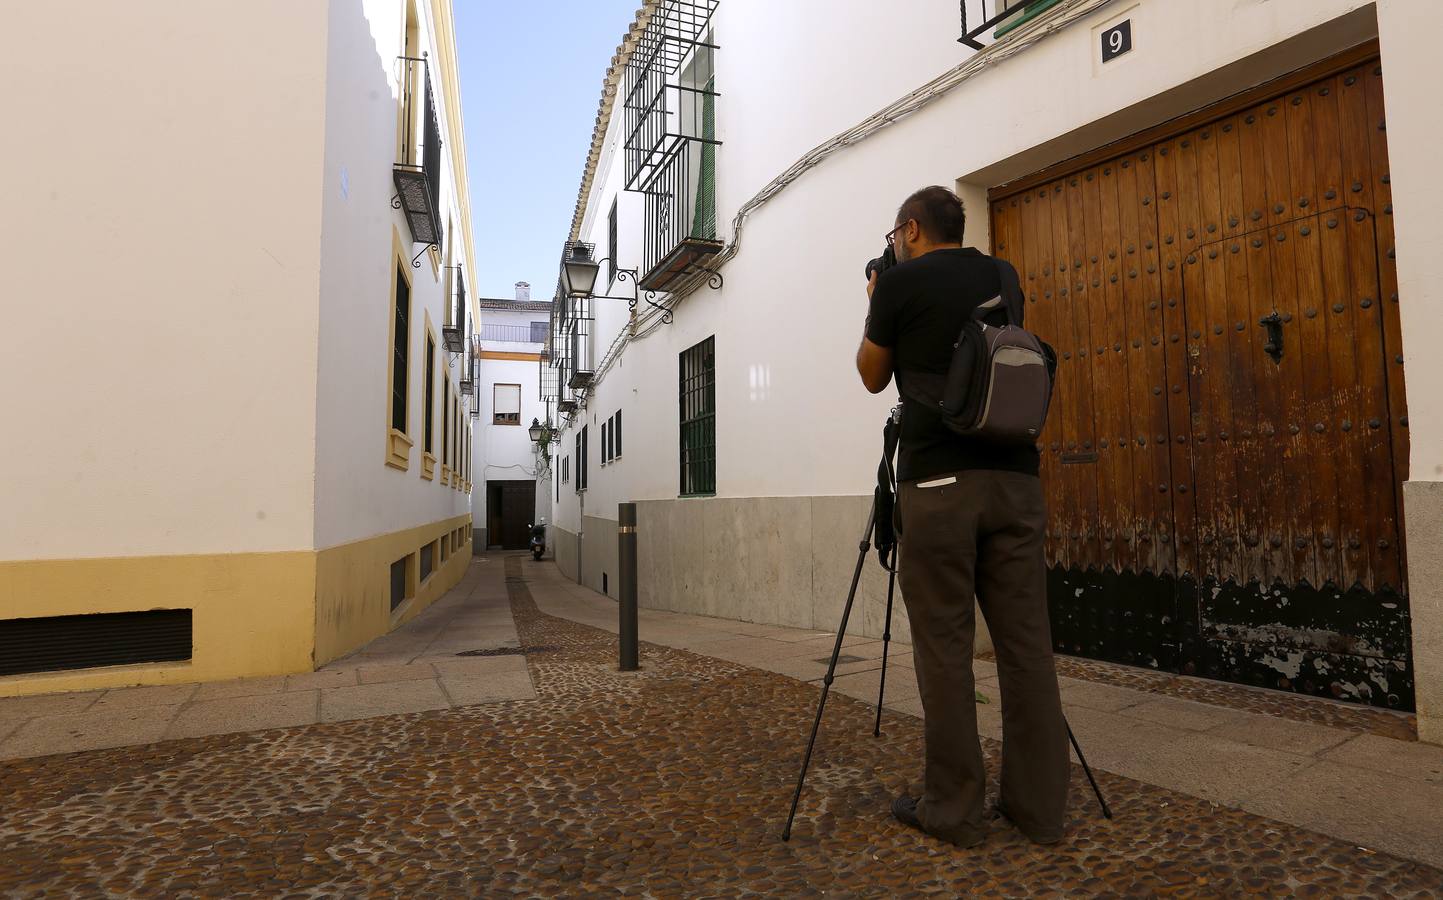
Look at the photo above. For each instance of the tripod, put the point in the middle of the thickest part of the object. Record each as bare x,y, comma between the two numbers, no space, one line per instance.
882,501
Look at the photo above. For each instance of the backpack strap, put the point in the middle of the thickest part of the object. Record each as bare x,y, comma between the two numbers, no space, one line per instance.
1009,298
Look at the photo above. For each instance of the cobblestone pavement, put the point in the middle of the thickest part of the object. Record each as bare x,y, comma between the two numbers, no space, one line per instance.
668,782
1297,707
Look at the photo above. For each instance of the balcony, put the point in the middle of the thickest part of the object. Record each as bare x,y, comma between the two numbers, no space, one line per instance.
417,172
453,331
680,204
514,334
1002,15
670,144
469,367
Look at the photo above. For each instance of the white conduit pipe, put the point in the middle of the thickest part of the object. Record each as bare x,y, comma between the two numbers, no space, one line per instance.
649,321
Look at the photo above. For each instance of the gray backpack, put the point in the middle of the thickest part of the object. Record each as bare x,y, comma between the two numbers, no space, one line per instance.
999,384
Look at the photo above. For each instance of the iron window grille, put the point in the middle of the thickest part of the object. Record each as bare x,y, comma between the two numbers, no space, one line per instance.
401,354
453,331
429,416
581,449
417,174
612,253
670,140
697,396
605,442
616,435
1003,15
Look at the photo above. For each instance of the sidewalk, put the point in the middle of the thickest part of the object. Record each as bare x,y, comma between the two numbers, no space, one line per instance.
1352,778
461,651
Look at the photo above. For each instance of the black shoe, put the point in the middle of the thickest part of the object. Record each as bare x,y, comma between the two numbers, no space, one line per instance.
999,810
904,810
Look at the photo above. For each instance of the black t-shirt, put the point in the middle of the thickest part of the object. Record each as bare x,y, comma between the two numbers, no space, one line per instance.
918,309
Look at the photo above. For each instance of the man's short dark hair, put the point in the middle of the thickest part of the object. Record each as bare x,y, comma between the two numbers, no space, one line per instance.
938,212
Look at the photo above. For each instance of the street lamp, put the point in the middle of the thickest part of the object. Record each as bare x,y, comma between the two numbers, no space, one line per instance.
578,269
535,431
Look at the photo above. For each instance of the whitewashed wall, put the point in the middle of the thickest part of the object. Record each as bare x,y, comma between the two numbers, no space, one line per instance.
161,234
793,419
357,495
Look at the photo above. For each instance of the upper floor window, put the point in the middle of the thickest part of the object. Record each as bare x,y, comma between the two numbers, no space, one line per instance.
506,404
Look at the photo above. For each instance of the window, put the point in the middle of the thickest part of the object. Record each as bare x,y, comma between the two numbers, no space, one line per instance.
446,432
605,444
428,560
401,579
539,331
616,435
400,360
456,435
507,404
611,243
565,470
581,441
430,413
445,547
698,418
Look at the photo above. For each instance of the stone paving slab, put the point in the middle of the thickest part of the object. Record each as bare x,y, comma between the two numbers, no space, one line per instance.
254,713
545,798
90,730
365,701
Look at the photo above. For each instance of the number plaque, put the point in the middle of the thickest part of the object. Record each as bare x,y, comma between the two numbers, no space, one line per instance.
1117,40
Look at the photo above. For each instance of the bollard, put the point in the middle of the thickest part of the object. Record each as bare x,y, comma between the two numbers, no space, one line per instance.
626,559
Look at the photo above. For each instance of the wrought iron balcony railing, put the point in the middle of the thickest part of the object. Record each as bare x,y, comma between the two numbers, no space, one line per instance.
670,141
453,330
514,334
470,366
680,204
1002,15
417,173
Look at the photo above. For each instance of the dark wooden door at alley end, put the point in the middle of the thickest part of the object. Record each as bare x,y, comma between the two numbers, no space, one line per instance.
1228,440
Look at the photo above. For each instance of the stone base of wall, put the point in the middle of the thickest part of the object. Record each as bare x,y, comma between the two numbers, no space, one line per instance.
770,560
1423,511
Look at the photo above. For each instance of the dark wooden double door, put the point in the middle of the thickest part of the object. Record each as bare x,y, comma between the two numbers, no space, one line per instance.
1229,435
510,510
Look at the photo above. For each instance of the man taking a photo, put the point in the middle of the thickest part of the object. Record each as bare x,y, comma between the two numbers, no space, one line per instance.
972,520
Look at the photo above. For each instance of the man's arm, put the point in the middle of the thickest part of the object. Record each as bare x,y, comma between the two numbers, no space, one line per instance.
874,362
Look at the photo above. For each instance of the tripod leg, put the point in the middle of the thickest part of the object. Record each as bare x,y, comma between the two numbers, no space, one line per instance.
886,641
1106,813
831,669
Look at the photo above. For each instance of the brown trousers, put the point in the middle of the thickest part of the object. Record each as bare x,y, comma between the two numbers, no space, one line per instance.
983,532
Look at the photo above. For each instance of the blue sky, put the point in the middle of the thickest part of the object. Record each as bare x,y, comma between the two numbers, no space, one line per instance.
530,84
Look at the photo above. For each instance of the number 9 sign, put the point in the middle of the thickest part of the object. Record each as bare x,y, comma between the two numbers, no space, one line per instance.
1117,40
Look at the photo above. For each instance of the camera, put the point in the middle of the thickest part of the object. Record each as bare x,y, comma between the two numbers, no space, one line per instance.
887,260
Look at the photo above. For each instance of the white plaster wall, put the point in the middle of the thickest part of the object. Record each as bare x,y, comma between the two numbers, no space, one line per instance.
161,235
357,495
1408,35
793,418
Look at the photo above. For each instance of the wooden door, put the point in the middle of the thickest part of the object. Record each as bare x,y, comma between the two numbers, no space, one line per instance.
518,506
1228,437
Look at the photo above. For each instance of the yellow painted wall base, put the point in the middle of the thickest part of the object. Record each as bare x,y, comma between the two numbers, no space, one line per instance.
353,586
255,614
